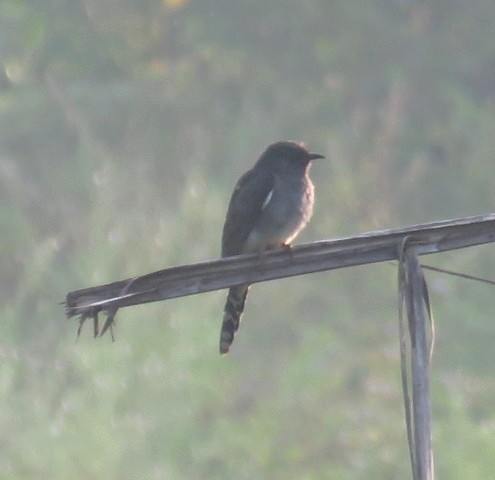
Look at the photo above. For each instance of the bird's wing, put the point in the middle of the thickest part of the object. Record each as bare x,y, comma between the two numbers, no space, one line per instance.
251,194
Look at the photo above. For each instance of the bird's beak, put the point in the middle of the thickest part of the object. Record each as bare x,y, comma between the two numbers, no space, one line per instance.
315,156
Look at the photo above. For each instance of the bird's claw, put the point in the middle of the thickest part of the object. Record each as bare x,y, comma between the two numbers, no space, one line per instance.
288,248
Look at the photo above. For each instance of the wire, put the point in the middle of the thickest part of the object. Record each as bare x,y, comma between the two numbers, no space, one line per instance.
458,274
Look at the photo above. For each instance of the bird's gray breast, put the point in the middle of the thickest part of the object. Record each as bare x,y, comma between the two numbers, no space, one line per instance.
286,210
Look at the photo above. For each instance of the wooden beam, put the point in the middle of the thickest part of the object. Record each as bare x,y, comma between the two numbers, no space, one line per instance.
318,256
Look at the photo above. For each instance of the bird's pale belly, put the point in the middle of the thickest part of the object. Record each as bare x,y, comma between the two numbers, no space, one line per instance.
281,221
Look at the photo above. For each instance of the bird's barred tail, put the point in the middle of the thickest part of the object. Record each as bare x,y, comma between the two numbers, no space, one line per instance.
232,316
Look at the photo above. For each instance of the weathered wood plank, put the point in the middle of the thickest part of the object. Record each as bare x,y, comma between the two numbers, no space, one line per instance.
416,345
370,247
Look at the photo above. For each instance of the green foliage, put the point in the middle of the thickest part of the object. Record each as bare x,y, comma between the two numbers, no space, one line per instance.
123,127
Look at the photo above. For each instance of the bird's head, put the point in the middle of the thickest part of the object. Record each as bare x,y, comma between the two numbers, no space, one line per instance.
288,155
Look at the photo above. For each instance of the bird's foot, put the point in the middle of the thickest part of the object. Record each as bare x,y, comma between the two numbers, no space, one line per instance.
288,248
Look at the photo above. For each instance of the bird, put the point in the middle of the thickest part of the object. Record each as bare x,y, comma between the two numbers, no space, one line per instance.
271,203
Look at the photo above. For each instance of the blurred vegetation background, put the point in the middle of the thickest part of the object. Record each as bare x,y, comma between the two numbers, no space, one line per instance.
123,127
